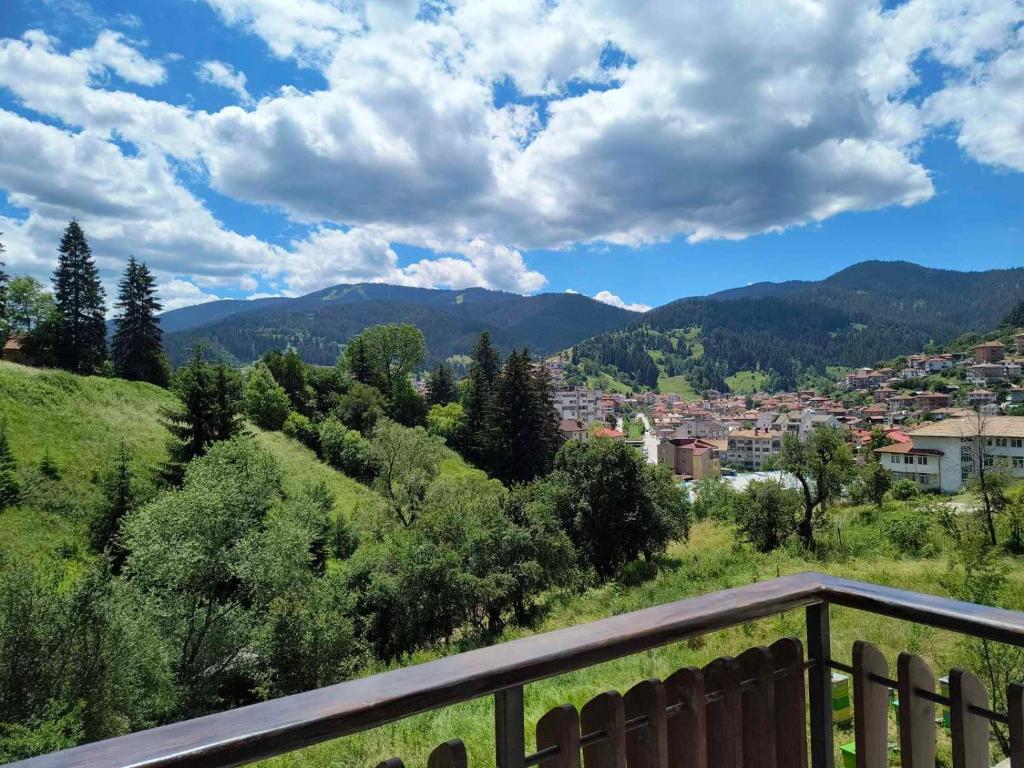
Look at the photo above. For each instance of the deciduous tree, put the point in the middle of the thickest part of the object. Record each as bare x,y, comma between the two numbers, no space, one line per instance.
822,465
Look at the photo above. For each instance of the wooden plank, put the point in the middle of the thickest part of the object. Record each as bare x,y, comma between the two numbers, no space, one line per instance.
451,754
819,685
560,728
391,762
970,731
790,704
724,715
1015,713
997,624
647,747
758,707
687,731
605,712
870,706
917,714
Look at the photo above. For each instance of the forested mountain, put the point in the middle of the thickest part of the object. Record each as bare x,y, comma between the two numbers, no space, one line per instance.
871,311
318,324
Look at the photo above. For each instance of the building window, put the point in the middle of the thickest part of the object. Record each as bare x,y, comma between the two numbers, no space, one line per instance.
908,459
1018,462
1017,443
922,460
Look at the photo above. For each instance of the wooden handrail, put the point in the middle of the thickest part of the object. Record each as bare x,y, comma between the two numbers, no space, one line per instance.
282,725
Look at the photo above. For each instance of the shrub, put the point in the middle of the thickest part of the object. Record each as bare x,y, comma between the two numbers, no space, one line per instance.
613,505
266,402
299,427
904,490
346,450
767,514
715,499
909,530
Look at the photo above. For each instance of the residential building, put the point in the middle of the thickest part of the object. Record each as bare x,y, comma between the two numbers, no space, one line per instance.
929,401
586,405
571,429
749,448
905,462
700,427
980,397
951,450
865,378
610,434
12,351
983,374
689,458
810,421
1019,338
989,352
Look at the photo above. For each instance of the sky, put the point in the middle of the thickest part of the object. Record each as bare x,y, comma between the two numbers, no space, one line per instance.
634,152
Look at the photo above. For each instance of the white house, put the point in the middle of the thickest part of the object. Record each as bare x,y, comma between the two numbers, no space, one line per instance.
944,454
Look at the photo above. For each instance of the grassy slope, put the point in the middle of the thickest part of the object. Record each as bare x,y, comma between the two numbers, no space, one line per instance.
746,382
709,561
301,467
80,421
679,385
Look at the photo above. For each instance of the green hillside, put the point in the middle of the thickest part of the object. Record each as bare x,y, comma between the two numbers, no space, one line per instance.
79,423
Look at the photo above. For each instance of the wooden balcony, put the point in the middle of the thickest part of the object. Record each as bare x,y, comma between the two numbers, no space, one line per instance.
770,707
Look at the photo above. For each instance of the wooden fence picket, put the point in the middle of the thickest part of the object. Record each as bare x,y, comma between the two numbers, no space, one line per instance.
450,754
790,704
605,712
560,728
687,730
758,708
916,713
970,731
647,747
870,706
724,715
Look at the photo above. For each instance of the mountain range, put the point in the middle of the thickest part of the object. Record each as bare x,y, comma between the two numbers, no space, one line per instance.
318,324
870,311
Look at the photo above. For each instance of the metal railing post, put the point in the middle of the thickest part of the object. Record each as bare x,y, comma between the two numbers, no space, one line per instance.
509,728
819,684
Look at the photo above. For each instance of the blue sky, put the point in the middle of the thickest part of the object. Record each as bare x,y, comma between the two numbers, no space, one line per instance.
637,153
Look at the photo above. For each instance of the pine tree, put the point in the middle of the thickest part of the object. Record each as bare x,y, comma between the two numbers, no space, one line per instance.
137,348
521,429
209,411
82,332
10,488
120,498
441,386
476,399
358,360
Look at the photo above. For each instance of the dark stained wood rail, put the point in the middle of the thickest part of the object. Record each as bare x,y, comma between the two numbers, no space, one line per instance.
282,725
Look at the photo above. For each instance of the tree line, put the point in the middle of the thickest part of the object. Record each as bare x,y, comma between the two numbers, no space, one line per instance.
67,328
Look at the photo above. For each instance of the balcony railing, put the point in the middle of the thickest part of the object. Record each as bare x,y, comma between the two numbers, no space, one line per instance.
749,711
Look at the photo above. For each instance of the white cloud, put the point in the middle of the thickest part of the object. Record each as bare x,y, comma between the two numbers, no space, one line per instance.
607,297
704,119
176,293
127,205
987,108
224,75
330,256
111,52
65,87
